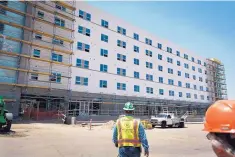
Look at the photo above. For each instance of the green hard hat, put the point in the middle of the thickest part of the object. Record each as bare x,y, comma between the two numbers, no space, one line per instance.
128,106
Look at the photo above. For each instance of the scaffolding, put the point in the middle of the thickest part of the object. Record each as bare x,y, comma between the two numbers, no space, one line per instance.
44,63
216,79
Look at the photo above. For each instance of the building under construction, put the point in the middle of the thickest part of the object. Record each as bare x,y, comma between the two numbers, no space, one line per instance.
54,57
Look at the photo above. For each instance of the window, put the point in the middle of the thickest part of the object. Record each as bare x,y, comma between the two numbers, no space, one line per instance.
168,49
57,41
186,75
56,77
136,36
207,89
103,67
83,47
193,68
178,63
160,68
186,65
148,41
185,56
148,53
59,22
201,88
149,65
60,7
205,72
159,57
104,23
3,11
121,86
84,15
36,53
121,43
38,36
161,91
170,82
160,79
202,97
170,71
104,52
187,85
205,64
179,73
136,74
178,53
199,70
121,57
136,48
171,93
195,87
82,63
81,81
179,83
56,57
180,94
194,77
208,98
149,90
188,95
121,71
84,31
193,59
149,77
136,88
159,45
199,62
40,14
136,61
121,30
104,38
195,96
34,76
200,79
103,84
169,60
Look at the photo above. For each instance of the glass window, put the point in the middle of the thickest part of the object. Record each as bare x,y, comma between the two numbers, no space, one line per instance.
169,49
136,48
171,93
136,36
104,52
160,68
60,7
136,61
161,91
34,76
170,82
180,94
136,88
159,56
169,60
195,87
178,63
193,59
188,95
103,68
170,71
178,53
185,56
38,36
56,57
187,85
56,77
104,23
59,22
103,84
136,74
79,46
179,73
104,38
179,83
160,79
195,96
40,14
193,68
57,41
149,90
36,53
159,46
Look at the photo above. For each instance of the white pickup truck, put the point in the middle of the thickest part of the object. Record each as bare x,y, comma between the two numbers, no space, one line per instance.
167,120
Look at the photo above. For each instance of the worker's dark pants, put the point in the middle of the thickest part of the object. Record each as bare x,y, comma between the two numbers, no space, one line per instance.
129,152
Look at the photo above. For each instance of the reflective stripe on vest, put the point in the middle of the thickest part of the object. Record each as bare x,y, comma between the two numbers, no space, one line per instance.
128,142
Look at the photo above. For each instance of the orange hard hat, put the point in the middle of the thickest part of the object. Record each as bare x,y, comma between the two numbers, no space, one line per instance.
220,117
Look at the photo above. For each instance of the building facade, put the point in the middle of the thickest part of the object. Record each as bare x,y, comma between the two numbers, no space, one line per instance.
71,55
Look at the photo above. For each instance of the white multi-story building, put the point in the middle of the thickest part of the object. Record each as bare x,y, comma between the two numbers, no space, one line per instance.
95,62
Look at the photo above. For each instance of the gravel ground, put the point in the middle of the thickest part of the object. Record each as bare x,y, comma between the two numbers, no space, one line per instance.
49,140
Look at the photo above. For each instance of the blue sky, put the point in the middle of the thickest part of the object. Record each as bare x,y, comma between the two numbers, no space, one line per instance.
205,28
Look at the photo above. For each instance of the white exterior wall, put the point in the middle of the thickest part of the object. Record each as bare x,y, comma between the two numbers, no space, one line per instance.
95,59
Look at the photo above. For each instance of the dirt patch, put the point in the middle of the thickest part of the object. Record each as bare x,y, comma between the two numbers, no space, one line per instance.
14,134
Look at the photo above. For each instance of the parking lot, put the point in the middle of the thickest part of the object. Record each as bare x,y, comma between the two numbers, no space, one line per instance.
47,140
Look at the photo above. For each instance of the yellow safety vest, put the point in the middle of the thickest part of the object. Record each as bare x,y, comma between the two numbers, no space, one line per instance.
128,132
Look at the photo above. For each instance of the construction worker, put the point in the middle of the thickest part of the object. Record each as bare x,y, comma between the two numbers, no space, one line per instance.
220,123
128,134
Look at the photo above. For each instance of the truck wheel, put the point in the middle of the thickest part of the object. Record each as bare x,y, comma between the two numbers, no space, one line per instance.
153,125
163,125
181,125
8,127
170,126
